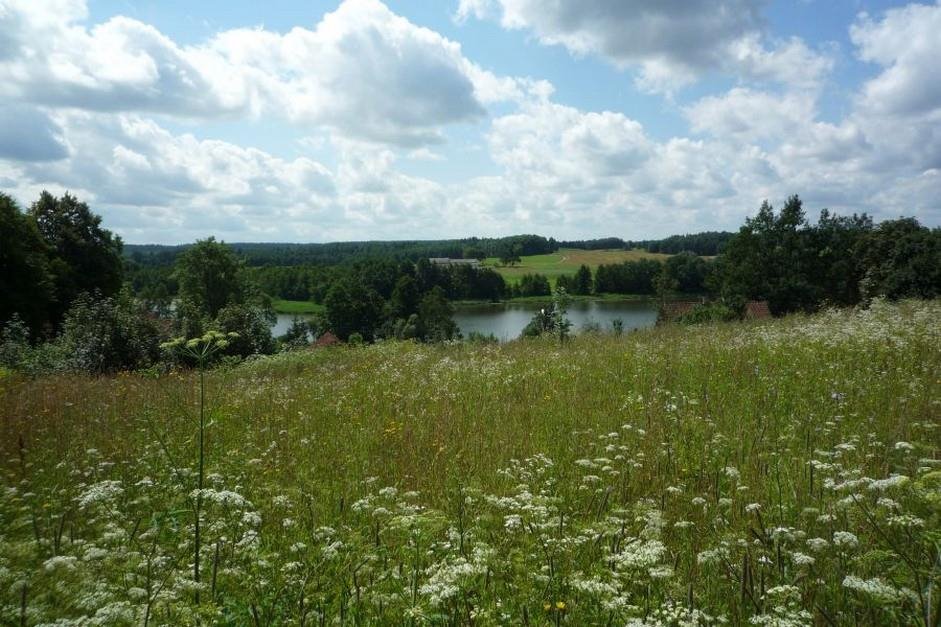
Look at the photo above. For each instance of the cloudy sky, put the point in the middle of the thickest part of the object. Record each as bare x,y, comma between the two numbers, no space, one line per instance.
321,121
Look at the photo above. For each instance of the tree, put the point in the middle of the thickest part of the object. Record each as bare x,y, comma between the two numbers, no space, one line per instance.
249,328
108,334
583,282
902,259
211,276
475,252
770,259
353,308
26,284
84,257
405,298
560,322
435,316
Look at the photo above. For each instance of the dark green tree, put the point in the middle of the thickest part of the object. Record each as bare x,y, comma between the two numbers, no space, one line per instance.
436,317
26,283
353,308
583,281
210,276
84,257
405,298
901,259
252,329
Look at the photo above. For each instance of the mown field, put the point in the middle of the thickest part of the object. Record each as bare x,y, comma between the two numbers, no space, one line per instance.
783,472
567,261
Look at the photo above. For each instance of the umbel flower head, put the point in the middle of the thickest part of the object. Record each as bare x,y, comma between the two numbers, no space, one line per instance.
200,348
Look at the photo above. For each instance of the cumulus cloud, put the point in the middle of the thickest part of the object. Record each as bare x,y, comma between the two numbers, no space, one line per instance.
28,134
670,43
362,71
906,42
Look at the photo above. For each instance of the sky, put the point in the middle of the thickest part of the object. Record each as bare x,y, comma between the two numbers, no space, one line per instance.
313,121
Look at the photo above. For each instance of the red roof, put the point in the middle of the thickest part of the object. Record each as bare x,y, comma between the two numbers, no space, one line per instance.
757,309
327,339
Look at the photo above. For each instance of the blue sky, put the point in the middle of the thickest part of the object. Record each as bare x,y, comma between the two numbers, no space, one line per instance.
324,121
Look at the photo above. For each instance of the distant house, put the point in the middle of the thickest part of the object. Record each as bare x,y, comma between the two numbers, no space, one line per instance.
756,310
327,339
447,261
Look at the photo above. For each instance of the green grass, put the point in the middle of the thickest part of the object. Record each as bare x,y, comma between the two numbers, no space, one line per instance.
298,307
567,261
738,470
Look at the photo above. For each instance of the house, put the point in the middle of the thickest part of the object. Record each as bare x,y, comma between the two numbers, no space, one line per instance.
327,339
756,310
447,261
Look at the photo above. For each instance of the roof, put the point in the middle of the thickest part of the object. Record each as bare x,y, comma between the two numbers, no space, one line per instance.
757,309
447,261
327,339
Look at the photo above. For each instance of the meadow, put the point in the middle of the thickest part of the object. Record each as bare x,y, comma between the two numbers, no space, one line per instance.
782,472
566,261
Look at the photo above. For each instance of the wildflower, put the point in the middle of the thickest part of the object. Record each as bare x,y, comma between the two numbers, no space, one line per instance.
101,492
845,539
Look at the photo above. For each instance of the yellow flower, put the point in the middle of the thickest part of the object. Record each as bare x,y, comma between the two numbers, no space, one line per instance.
547,606
560,605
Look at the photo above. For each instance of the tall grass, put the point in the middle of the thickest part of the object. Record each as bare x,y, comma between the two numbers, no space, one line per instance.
784,472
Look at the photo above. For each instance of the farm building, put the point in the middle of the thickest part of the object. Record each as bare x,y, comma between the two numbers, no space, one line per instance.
447,261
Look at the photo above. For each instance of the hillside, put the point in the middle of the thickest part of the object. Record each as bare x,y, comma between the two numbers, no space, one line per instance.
787,470
566,261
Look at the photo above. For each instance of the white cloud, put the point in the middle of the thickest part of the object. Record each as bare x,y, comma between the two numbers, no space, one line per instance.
670,43
361,72
907,43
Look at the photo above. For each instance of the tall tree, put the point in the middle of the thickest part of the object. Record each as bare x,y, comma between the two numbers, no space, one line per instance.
435,314
84,257
26,283
902,259
353,308
210,276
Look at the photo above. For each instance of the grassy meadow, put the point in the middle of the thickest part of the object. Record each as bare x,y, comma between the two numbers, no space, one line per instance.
296,307
782,472
566,261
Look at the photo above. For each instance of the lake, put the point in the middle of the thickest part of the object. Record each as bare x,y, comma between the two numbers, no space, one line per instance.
506,320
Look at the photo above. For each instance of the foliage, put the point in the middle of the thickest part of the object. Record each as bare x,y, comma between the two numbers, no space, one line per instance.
533,285
107,334
711,312
26,282
783,472
352,307
249,330
630,277
211,276
435,315
901,259
84,257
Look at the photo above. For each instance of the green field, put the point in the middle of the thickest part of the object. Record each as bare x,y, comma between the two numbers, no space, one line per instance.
297,307
567,261
782,472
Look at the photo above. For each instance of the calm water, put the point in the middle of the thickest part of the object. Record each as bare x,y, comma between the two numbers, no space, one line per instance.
506,320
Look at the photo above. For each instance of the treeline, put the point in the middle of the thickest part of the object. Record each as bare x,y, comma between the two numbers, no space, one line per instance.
707,243
840,261
274,254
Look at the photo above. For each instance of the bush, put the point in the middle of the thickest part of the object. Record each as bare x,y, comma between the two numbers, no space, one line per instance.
713,312
108,334
253,326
